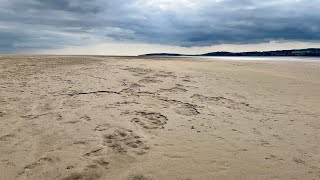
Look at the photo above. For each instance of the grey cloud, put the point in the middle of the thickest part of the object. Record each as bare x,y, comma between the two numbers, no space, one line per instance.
36,24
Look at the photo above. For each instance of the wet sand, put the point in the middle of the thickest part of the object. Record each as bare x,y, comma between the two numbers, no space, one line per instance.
91,117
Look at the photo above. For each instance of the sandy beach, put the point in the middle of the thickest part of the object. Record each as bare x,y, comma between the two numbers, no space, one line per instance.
139,118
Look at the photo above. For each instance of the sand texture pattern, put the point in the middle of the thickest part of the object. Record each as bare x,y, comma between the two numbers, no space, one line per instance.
136,118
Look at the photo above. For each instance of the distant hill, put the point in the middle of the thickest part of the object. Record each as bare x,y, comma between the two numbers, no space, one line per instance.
311,52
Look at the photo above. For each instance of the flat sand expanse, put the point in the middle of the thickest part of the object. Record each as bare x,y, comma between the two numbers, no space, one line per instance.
136,118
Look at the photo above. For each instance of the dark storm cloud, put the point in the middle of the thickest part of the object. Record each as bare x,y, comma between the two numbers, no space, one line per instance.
64,5
40,24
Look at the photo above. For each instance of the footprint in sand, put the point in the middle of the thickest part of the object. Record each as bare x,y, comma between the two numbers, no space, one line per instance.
91,172
2,114
165,74
150,120
149,81
223,101
85,118
139,71
38,165
124,141
187,79
176,89
7,138
98,156
102,127
180,107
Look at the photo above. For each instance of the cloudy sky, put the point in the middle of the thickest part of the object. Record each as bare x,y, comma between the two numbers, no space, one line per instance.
131,27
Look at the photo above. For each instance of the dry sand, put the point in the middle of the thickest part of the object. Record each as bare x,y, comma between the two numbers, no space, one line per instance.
158,118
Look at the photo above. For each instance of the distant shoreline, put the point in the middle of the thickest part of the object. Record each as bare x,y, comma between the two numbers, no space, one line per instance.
264,58
310,52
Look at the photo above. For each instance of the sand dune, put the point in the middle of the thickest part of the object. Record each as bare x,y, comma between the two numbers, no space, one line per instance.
91,117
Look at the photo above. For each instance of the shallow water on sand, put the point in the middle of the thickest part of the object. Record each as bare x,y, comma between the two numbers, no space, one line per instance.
237,58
